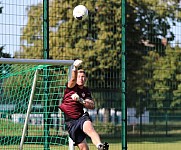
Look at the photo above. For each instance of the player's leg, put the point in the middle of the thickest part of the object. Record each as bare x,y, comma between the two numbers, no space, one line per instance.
90,131
83,145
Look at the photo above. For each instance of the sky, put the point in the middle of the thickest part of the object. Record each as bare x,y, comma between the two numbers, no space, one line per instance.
14,17
177,31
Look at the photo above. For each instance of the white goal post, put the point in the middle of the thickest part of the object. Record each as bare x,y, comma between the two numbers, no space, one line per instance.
35,61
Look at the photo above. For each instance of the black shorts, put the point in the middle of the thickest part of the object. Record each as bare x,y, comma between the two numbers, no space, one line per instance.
75,128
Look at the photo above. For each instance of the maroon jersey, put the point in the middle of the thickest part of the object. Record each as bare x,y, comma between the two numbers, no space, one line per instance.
73,109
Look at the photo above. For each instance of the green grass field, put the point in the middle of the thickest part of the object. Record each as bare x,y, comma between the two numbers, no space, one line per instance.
161,144
134,143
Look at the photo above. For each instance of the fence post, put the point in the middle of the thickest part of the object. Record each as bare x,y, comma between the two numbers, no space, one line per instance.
123,76
46,56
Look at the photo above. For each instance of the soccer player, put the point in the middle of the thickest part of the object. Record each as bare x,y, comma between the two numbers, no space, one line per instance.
78,122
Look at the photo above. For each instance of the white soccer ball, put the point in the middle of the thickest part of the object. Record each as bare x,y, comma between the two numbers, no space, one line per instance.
80,12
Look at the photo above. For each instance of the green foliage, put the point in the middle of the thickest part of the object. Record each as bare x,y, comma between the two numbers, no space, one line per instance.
149,21
165,76
33,41
162,84
97,40
107,128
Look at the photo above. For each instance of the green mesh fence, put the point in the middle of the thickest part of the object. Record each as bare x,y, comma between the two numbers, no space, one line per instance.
17,82
153,63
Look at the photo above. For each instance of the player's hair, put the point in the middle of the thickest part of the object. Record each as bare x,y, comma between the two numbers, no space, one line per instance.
81,71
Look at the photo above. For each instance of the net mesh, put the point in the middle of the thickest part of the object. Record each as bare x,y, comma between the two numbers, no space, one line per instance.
46,122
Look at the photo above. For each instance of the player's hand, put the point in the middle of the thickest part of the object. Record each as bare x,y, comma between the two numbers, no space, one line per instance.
89,104
75,97
76,64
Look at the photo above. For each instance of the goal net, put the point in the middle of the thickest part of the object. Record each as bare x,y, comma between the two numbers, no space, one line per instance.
30,92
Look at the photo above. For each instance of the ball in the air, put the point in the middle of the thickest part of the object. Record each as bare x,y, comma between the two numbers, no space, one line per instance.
80,12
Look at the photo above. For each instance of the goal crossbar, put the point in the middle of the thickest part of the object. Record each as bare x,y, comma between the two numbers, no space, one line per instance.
35,61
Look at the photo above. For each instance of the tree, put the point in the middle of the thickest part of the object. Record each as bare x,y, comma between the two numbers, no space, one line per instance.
166,79
161,85
97,40
1,9
151,26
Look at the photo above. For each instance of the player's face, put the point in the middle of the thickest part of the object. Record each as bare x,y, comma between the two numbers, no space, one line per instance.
81,78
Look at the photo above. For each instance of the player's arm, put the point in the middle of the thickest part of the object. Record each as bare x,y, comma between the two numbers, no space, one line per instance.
89,103
73,79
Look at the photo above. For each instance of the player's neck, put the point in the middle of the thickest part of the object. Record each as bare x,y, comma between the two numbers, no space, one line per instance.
81,86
